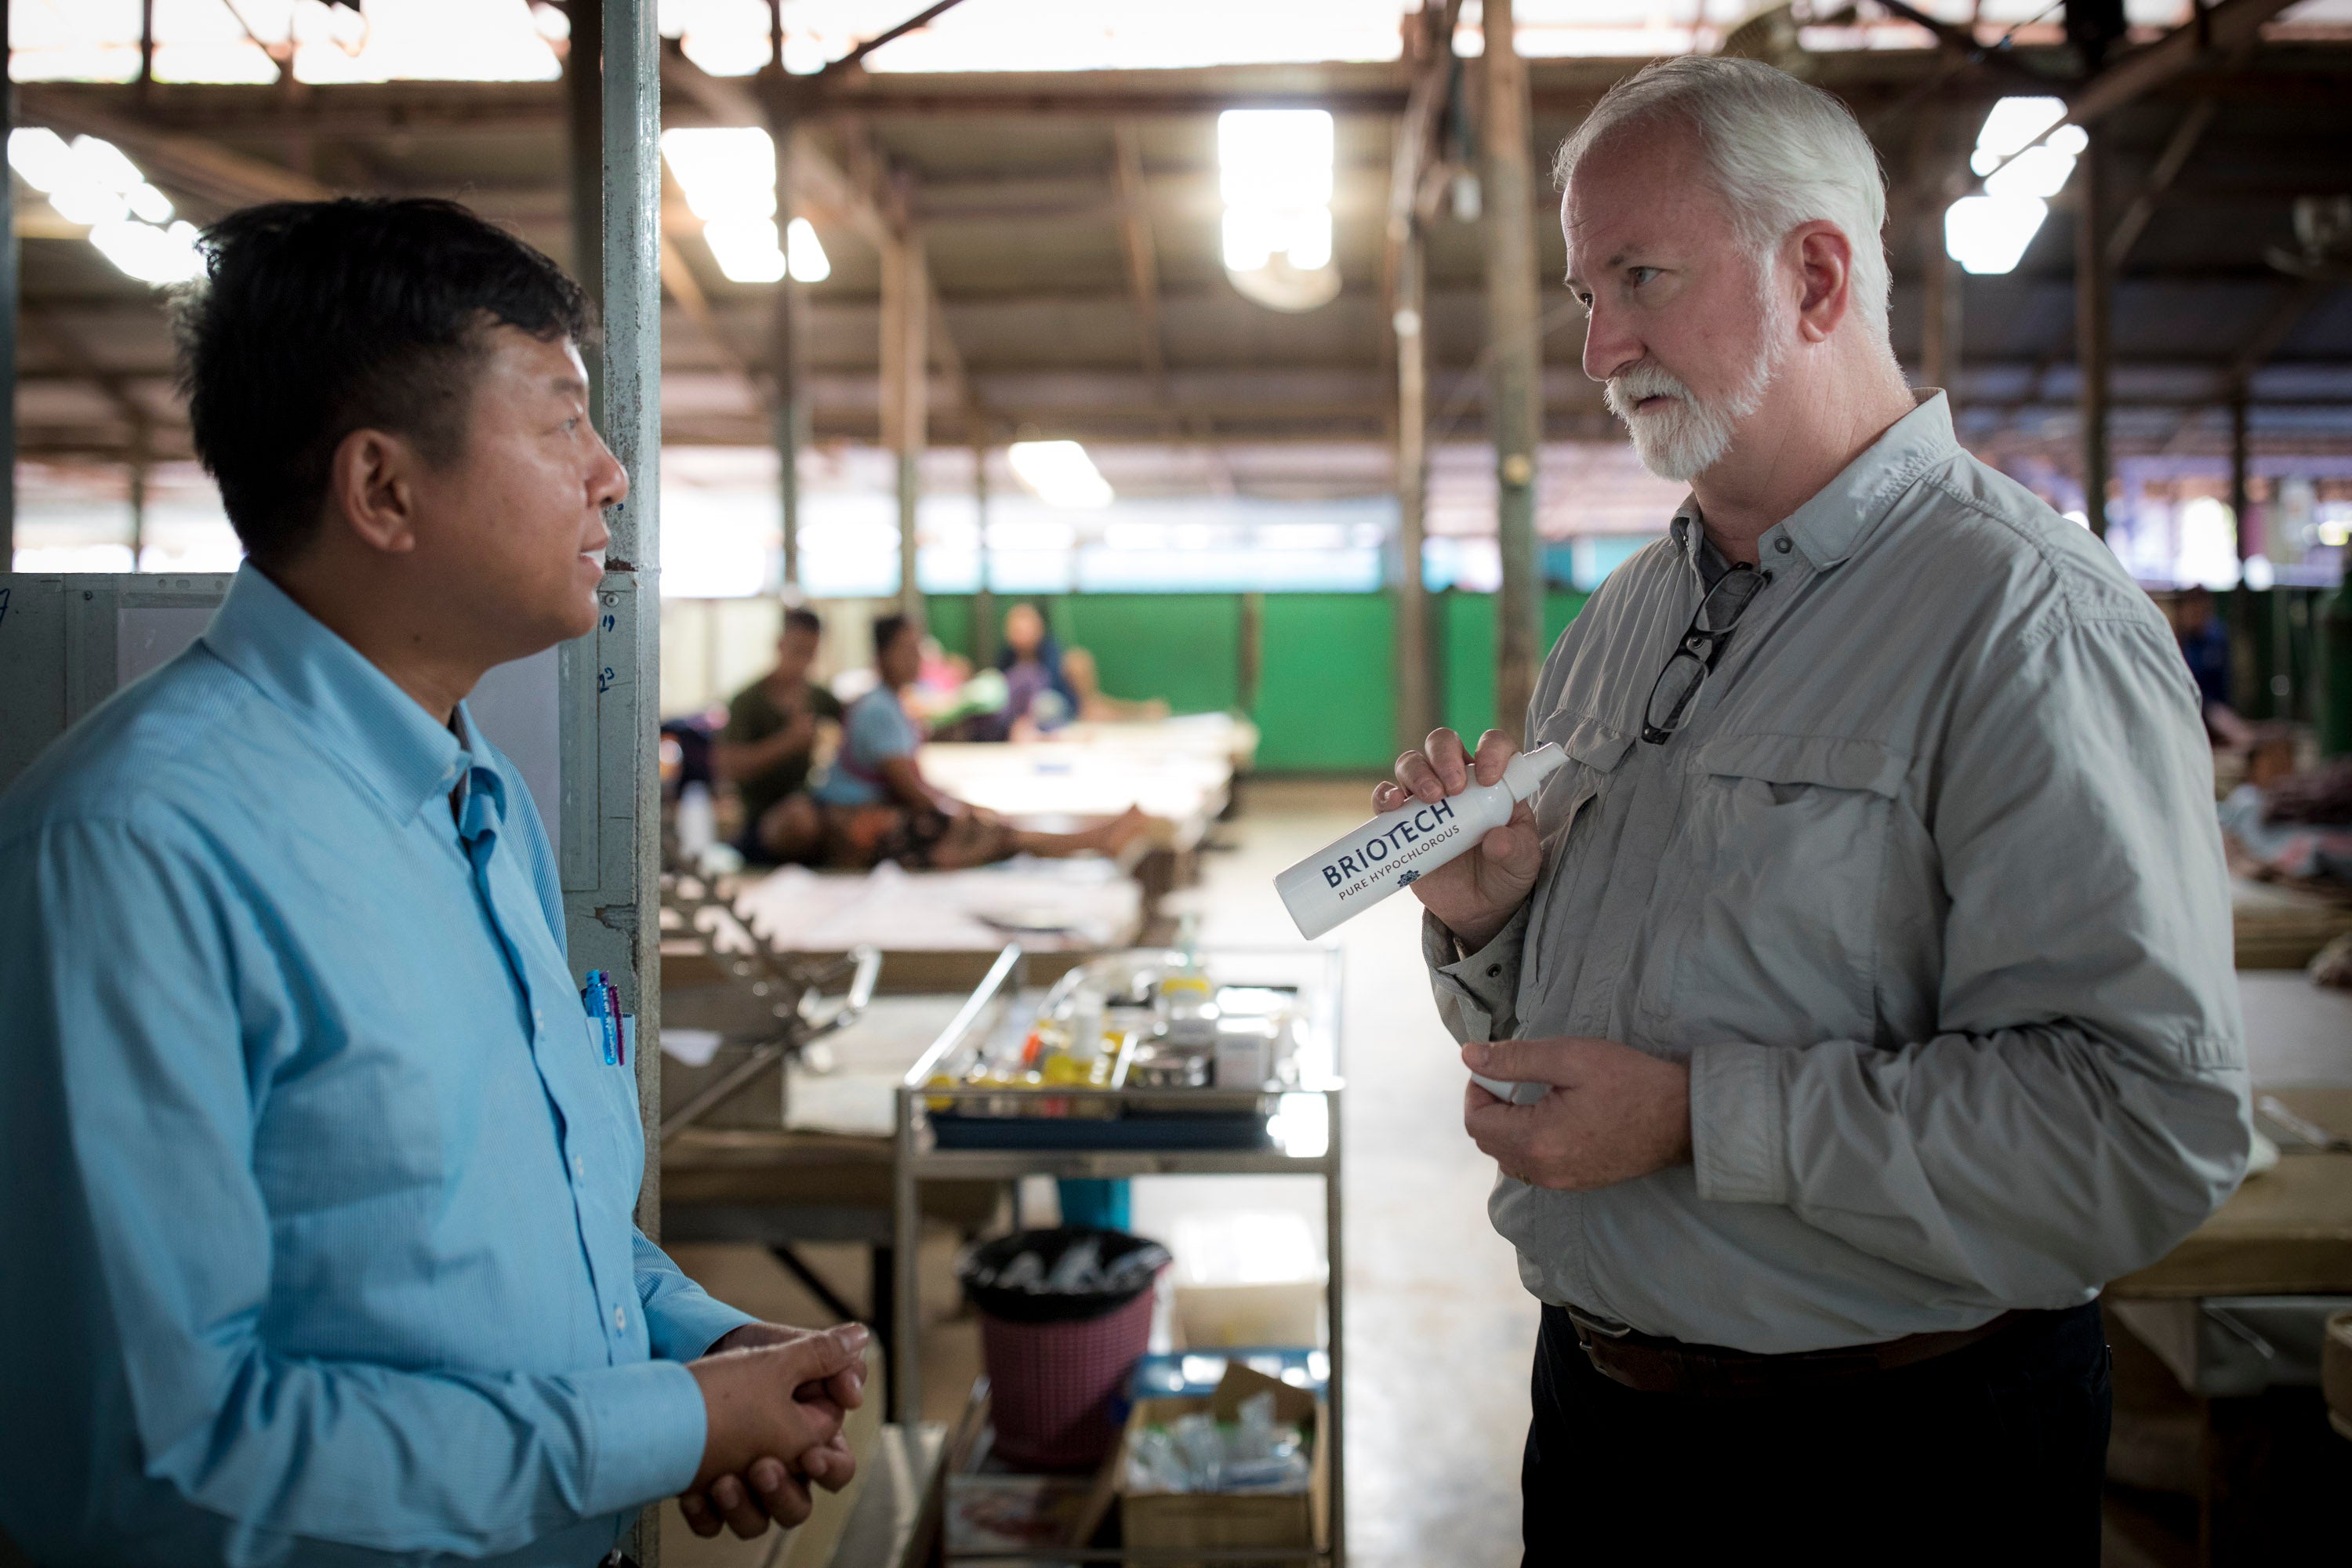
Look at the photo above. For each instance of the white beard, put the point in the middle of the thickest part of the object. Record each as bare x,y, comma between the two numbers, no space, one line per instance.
1689,435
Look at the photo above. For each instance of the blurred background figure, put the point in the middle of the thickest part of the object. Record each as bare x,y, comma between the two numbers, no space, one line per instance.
2205,644
769,745
873,804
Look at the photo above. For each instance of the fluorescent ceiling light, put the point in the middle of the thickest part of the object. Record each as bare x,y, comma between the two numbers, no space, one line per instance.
745,248
2014,123
810,263
1275,172
1990,234
2040,173
41,156
1275,157
92,183
726,172
1060,472
150,254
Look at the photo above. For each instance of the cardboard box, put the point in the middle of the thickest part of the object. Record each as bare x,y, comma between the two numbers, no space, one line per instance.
1217,1520
1218,1317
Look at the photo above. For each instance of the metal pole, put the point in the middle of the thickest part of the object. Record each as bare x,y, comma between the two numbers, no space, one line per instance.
1414,708
7,325
138,442
905,412
2091,321
790,415
609,682
585,109
1514,389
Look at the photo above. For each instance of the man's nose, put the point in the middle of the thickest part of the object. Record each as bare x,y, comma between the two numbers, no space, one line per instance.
1608,348
608,482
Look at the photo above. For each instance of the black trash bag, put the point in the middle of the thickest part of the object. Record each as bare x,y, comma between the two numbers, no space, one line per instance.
1067,1275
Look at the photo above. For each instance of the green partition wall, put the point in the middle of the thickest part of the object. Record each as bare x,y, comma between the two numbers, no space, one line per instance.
1463,629
1326,694
1326,683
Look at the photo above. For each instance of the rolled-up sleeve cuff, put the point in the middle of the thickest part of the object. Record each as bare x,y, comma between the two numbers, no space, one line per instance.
1484,985
685,1323
646,1427
1738,1125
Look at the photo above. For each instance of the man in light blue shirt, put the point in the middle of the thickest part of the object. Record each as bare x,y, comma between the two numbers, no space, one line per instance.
320,1199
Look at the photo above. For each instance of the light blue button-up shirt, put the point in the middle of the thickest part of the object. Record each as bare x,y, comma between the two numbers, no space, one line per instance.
317,1227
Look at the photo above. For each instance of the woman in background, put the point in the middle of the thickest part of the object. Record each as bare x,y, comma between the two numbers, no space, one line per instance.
1038,696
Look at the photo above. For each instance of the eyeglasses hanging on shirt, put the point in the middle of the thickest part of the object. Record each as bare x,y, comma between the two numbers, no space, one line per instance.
1693,660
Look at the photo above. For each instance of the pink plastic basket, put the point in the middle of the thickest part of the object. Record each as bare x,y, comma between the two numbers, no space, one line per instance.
1051,1383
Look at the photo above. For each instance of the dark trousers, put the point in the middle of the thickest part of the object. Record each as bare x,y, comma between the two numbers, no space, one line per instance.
1990,1455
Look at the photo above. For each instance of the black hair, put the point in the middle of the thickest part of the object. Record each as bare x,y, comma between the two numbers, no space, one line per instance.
886,631
800,618
317,319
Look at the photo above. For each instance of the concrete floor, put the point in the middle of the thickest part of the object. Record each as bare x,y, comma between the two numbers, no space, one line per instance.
1439,1330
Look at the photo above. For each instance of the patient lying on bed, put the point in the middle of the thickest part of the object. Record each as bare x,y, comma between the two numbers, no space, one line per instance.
873,804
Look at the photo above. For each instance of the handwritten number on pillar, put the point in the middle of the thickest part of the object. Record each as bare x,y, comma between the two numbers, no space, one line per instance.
604,681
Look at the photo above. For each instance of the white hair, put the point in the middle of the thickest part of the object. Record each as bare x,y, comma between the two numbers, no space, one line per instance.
1782,154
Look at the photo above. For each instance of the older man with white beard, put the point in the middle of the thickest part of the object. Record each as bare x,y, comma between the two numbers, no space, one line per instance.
1865,975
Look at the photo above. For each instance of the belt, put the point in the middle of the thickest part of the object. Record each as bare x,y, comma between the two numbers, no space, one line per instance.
1657,1365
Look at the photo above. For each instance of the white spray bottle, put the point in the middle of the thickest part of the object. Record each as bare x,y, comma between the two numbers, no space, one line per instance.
1399,847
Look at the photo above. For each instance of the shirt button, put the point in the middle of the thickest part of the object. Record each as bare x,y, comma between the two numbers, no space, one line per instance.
1782,545
579,1166
620,1318
1493,971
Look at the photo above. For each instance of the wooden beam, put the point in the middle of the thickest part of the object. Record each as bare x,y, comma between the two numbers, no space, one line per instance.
2282,320
186,164
2178,149
2216,29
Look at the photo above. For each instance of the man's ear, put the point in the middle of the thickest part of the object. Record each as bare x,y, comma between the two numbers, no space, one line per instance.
372,491
1826,265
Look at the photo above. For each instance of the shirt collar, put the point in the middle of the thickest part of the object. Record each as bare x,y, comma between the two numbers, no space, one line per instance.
1832,524
353,709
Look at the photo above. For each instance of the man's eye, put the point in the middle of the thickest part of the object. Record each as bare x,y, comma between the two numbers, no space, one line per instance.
1641,275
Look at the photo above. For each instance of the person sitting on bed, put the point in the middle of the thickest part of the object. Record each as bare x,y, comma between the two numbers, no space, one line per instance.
771,735
872,804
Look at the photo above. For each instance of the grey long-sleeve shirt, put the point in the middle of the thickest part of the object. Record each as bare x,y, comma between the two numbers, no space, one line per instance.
1929,894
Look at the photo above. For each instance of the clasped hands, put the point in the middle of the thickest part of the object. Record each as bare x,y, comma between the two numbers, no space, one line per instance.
1614,1113
774,1399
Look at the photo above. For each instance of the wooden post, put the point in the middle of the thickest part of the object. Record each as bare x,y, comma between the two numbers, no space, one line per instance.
2092,303
905,383
7,323
983,600
1939,320
1414,715
1514,390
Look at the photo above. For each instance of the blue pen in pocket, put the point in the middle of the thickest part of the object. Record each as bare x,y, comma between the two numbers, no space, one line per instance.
603,1028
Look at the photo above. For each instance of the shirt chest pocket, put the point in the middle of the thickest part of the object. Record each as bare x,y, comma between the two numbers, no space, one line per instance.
1774,934
1566,811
